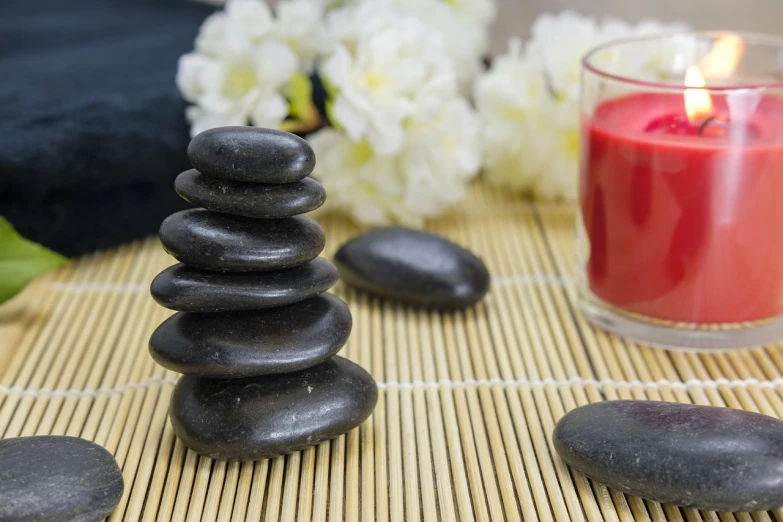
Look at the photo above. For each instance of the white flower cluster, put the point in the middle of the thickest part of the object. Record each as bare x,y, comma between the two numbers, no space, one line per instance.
404,142
528,103
249,64
463,26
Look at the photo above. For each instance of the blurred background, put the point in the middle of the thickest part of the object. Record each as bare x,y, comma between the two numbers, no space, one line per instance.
514,16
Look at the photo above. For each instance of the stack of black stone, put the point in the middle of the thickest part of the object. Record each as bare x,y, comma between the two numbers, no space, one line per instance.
255,335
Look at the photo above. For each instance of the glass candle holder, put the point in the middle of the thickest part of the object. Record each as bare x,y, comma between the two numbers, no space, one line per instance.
680,233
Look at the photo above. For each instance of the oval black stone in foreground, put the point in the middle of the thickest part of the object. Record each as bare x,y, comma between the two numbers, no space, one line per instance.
187,289
261,417
53,479
224,243
251,154
413,266
250,199
703,457
248,344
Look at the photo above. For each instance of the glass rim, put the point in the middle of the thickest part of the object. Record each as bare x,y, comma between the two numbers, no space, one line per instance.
748,36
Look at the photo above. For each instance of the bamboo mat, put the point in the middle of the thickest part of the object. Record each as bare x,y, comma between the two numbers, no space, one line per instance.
467,405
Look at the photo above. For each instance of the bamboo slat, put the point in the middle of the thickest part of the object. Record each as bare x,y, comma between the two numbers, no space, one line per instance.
467,405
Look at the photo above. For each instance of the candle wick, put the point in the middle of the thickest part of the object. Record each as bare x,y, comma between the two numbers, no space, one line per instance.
703,126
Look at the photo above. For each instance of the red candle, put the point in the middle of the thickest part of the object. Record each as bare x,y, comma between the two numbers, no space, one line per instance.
684,218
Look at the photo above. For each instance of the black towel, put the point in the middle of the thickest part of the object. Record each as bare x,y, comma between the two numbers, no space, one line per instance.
92,127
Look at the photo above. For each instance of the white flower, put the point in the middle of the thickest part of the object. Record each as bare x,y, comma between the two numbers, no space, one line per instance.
557,175
300,24
243,23
558,42
528,103
237,90
382,63
246,60
252,18
463,27
514,103
426,176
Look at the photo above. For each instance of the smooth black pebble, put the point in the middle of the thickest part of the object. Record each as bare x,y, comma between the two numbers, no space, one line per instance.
224,243
248,344
413,266
54,479
251,154
704,457
250,199
262,417
187,289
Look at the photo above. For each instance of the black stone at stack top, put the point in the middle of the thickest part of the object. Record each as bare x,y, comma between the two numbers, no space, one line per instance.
249,305
251,154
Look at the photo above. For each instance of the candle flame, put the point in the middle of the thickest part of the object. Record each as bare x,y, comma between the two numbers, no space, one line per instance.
698,103
719,63
723,58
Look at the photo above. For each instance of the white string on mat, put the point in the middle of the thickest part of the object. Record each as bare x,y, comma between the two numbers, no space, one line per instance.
100,287
146,383
532,279
394,385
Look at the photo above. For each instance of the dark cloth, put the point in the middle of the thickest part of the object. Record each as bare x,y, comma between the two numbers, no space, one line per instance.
92,127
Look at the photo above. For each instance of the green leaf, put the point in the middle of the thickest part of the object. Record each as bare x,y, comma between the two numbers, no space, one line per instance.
300,90
303,115
21,261
329,87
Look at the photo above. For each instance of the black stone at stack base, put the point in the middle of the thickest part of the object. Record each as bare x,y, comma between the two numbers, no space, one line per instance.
255,335
261,417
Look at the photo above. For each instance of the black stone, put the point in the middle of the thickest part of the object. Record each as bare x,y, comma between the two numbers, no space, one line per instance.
704,457
213,241
54,479
248,344
251,154
187,289
261,417
250,199
413,266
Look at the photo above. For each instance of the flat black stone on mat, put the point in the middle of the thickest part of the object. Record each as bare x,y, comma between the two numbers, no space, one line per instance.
188,289
413,266
249,344
255,200
262,417
53,479
213,241
703,457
